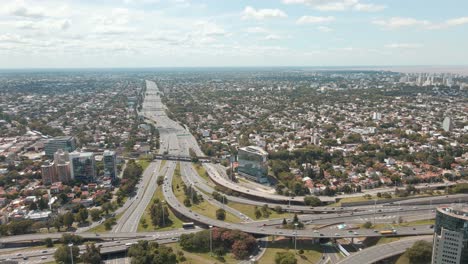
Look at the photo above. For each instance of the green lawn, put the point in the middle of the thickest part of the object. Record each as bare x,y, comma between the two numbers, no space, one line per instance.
249,210
312,252
202,258
101,228
385,240
144,163
403,259
204,208
202,172
163,162
176,222
411,223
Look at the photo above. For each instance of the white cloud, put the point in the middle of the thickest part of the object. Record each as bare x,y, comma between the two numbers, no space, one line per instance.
403,46
260,14
457,21
338,5
314,20
398,22
209,29
272,37
324,29
256,30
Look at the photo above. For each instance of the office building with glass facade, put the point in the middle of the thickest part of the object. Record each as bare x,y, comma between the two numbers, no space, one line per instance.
253,163
83,166
451,235
65,143
110,164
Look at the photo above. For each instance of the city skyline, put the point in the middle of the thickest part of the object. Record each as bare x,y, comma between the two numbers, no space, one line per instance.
182,33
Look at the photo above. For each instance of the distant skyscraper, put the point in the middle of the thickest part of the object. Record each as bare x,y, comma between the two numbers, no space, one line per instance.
65,143
83,166
49,174
110,164
253,163
450,236
447,124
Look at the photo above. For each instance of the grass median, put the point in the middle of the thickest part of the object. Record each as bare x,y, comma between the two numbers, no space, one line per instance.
204,207
249,210
312,251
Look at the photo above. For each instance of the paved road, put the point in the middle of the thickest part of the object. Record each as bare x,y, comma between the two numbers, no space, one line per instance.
380,252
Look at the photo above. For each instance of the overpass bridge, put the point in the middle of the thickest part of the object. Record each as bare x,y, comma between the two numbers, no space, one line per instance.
180,158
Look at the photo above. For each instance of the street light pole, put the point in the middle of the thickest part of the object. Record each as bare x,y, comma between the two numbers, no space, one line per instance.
71,252
162,209
375,208
211,242
295,238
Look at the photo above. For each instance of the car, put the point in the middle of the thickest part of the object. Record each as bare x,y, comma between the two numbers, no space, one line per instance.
321,234
336,234
44,251
376,231
414,228
118,242
44,257
380,210
25,258
431,226
401,209
19,254
174,238
316,231
350,231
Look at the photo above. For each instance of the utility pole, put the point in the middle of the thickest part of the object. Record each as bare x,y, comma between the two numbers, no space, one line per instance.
375,208
295,238
211,241
162,209
71,252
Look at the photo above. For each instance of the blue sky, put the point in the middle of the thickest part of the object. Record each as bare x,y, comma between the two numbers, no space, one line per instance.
168,33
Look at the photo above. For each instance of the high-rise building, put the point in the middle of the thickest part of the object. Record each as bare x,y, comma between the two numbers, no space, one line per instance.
110,164
49,174
451,235
82,166
65,143
376,116
253,163
447,125
62,165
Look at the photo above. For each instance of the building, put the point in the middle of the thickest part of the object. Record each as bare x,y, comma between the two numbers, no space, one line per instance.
110,164
65,143
62,165
253,163
451,235
82,166
447,125
49,173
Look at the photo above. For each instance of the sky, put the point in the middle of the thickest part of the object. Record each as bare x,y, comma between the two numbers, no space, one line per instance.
213,33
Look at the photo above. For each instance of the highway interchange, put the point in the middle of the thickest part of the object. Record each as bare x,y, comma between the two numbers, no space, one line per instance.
176,140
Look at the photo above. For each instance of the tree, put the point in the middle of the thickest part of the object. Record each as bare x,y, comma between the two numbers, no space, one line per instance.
220,214
284,222
151,252
48,242
95,214
285,258
312,200
58,222
367,225
160,180
62,254
420,252
68,219
82,215
106,207
92,255
258,213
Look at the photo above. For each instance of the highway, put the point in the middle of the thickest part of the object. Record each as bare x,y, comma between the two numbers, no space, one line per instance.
380,252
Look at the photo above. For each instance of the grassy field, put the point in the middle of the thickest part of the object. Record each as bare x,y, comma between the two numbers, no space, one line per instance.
202,258
403,259
385,240
202,172
101,228
204,207
163,162
144,163
249,210
411,223
312,252
176,222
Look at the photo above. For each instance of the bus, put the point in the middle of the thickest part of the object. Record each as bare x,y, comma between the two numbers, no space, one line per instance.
388,232
188,225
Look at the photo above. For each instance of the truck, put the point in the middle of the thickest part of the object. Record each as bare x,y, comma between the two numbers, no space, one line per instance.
388,232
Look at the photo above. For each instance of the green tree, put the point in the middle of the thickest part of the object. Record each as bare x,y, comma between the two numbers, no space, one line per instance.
367,225
95,214
312,201
48,242
420,252
68,219
92,255
220,214
62,254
